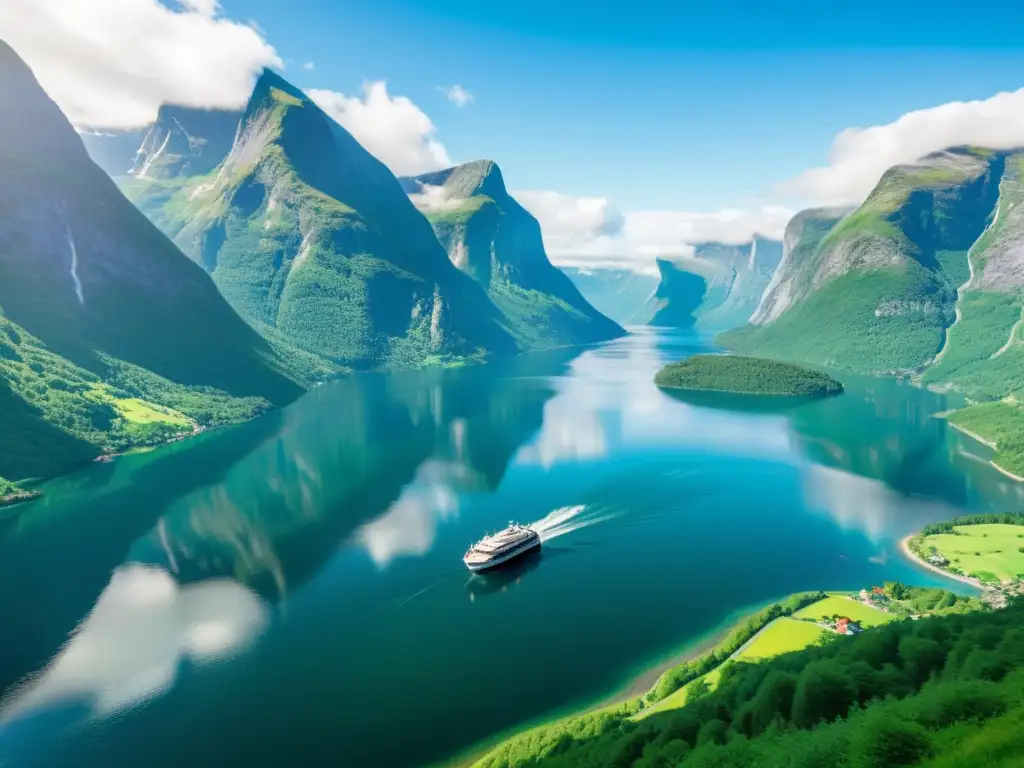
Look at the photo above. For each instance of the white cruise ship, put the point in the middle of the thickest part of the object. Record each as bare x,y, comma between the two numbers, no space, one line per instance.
503,546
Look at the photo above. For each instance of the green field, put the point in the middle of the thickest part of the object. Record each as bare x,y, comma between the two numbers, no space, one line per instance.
137,410
781,636
987,552
865,615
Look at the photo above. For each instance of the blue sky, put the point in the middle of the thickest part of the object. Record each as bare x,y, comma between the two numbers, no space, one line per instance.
655,105
631,130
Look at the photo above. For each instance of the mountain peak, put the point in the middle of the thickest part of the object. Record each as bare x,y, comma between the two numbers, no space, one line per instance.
478,177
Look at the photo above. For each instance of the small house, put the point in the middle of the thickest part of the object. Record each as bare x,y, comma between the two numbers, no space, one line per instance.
937,559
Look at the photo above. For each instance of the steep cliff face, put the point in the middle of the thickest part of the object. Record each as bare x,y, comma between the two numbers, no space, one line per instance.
718,288
490,237
185,142
313,240
799,244
677,298
876,289
98,307
618,294
983,353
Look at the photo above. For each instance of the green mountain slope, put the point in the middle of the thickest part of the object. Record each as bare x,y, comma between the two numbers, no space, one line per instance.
876,289
493,239
942,691
719,287
109,336
618,294
984,350
312,240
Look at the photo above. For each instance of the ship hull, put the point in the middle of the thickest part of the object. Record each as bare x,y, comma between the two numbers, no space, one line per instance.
507,557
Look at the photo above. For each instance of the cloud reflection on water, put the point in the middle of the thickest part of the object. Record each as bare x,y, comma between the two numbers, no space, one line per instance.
128,649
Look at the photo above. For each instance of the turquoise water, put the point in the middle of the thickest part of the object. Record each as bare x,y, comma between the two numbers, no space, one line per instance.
291,590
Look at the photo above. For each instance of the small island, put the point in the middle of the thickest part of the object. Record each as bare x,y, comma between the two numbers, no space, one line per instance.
11,494
746,376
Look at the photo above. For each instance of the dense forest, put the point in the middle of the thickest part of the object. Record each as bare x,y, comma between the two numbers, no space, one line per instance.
745,375
943,691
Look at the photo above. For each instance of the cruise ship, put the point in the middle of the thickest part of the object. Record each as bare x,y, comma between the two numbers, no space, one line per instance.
503,546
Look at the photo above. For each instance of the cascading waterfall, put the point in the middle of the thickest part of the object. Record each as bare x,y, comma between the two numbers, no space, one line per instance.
74,267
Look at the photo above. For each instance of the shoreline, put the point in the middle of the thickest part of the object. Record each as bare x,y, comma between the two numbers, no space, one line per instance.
909,554
640,682
18,497
989,444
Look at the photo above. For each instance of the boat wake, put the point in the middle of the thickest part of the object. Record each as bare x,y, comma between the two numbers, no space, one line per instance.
568,519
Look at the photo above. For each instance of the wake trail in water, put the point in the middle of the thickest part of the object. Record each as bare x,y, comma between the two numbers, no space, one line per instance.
568,519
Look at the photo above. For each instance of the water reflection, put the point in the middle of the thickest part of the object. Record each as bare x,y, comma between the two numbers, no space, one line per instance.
131,645
511,574
380,460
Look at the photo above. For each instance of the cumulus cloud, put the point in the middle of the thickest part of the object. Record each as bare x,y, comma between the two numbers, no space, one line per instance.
393,129
112,63
590,231
859,156
431,199
207,8
309,66
457,95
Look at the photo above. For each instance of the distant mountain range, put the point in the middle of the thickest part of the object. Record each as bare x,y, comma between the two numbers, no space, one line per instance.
716,288
617,293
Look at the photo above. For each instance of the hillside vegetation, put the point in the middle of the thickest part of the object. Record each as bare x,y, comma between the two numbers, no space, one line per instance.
109,336
877,289
489,236
745,375
948,689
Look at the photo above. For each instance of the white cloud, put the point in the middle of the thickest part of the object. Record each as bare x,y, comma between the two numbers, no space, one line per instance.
859,156
207,8
393,129
432,198
309,66
112,63
457,95
589,231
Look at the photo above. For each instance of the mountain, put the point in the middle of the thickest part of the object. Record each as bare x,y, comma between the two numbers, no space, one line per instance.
616,293
717,288
313,241
109,336
875,290
114,151
185,142
490,237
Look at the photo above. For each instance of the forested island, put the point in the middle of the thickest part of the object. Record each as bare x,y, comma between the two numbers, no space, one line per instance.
746,376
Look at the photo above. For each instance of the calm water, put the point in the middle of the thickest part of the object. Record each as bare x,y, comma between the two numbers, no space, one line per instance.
291,590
